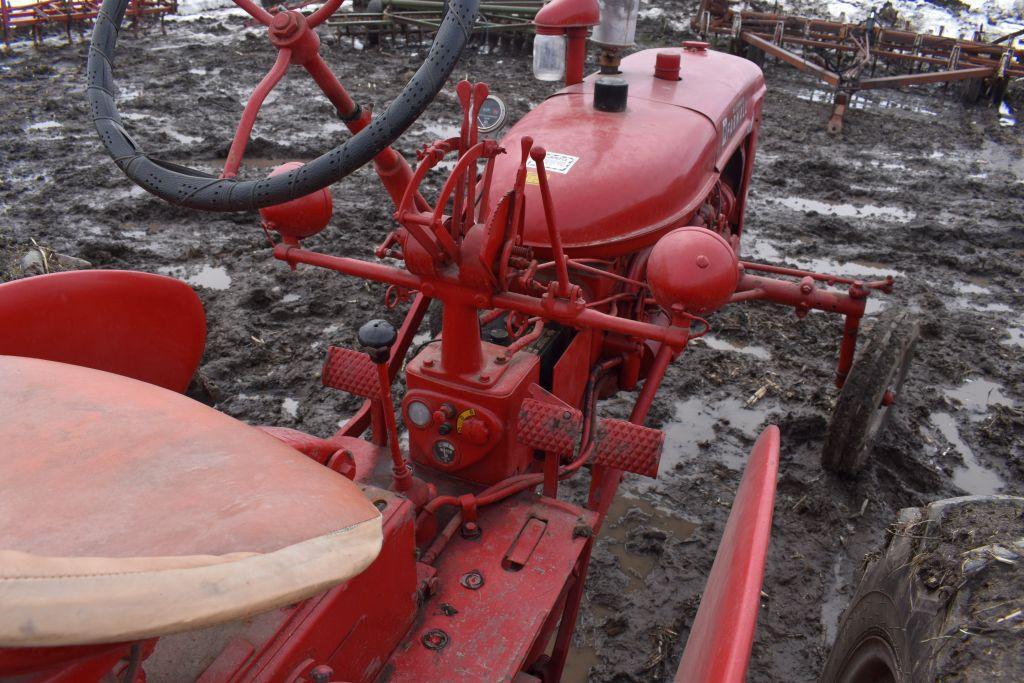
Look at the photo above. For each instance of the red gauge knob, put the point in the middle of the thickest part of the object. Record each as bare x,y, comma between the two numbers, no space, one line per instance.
475,431
444,413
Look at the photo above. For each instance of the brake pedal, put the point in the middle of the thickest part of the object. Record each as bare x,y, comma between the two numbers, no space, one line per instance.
352,371
549,427
629,447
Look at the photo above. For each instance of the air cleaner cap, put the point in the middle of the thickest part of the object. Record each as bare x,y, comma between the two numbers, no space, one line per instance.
610,93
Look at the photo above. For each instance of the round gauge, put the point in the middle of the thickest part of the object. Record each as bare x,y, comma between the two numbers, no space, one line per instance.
491,115
444,451
419,413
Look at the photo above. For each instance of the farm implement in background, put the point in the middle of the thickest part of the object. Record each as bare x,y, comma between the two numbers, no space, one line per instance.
850,57
408,22
39,17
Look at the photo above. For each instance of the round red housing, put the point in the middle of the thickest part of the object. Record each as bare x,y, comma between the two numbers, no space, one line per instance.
302,217
692,270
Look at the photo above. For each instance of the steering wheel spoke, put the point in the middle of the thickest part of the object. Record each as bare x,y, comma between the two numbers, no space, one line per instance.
252,109
255,11
332,88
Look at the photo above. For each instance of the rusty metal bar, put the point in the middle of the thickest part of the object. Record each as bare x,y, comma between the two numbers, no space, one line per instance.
925,78
791,58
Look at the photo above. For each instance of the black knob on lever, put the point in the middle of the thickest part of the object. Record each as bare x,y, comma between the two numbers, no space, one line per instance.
376,337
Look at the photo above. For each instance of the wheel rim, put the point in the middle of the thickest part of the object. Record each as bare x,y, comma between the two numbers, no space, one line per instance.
894,384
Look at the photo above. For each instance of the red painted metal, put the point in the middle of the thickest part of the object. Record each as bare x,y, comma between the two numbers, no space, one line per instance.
607,207
491,597
562,14
692,270
629,447
478,443
718,648
148,327
586,261
299,218
351,371
549,426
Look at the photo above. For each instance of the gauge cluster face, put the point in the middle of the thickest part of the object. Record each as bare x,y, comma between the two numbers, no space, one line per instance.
492,114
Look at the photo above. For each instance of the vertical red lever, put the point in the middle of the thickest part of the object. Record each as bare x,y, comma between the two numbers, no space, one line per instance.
538,154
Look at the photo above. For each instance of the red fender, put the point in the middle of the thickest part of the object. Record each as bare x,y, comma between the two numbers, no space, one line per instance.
718,649
148,327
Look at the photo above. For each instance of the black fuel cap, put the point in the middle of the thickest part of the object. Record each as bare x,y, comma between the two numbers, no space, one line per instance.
610,93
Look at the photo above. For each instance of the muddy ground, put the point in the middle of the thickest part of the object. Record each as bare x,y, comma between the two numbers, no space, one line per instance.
916,185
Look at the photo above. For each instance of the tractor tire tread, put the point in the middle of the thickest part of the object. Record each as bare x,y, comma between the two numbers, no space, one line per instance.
928,607
849,440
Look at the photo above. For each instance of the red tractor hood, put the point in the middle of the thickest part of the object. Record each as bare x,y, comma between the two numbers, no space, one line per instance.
621,180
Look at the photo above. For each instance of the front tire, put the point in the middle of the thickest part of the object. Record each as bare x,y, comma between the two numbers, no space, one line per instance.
865,403
938,602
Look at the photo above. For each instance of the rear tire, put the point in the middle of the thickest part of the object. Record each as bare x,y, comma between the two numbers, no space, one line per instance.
860,415
928,607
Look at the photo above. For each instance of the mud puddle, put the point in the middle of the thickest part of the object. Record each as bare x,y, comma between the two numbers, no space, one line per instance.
634,531
719,344
205,276
859,211
697,422
976,396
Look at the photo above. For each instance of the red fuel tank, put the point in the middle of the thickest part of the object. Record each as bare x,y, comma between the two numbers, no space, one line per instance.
621,180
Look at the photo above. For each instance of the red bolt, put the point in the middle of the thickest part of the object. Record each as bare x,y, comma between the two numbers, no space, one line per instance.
428,363
284,25
889,397
702,261
485,378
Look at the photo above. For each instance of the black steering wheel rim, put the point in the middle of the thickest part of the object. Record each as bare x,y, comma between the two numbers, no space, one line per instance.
199,190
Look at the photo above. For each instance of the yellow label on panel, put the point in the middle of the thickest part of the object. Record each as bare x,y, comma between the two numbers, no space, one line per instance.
463,416
531,178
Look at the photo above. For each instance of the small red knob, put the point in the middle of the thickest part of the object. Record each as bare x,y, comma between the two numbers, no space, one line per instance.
475,431
666,66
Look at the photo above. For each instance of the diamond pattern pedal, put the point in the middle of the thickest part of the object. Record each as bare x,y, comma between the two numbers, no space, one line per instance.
629,447
549,427
352,371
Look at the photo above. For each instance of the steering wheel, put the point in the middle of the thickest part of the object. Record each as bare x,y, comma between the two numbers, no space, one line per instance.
297,43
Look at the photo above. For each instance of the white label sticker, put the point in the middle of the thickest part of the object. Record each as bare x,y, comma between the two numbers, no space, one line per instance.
555,162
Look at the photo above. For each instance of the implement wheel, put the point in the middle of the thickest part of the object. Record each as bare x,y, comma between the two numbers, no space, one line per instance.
934,604
866,400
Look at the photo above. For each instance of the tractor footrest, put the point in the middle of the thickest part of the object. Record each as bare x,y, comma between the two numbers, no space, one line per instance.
549,427
352,371
629,447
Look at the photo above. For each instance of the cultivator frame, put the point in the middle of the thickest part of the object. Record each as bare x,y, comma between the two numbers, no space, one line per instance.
845,56
36,16
409,22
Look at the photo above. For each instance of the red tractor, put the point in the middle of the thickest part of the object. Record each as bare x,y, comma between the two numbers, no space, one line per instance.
147,535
